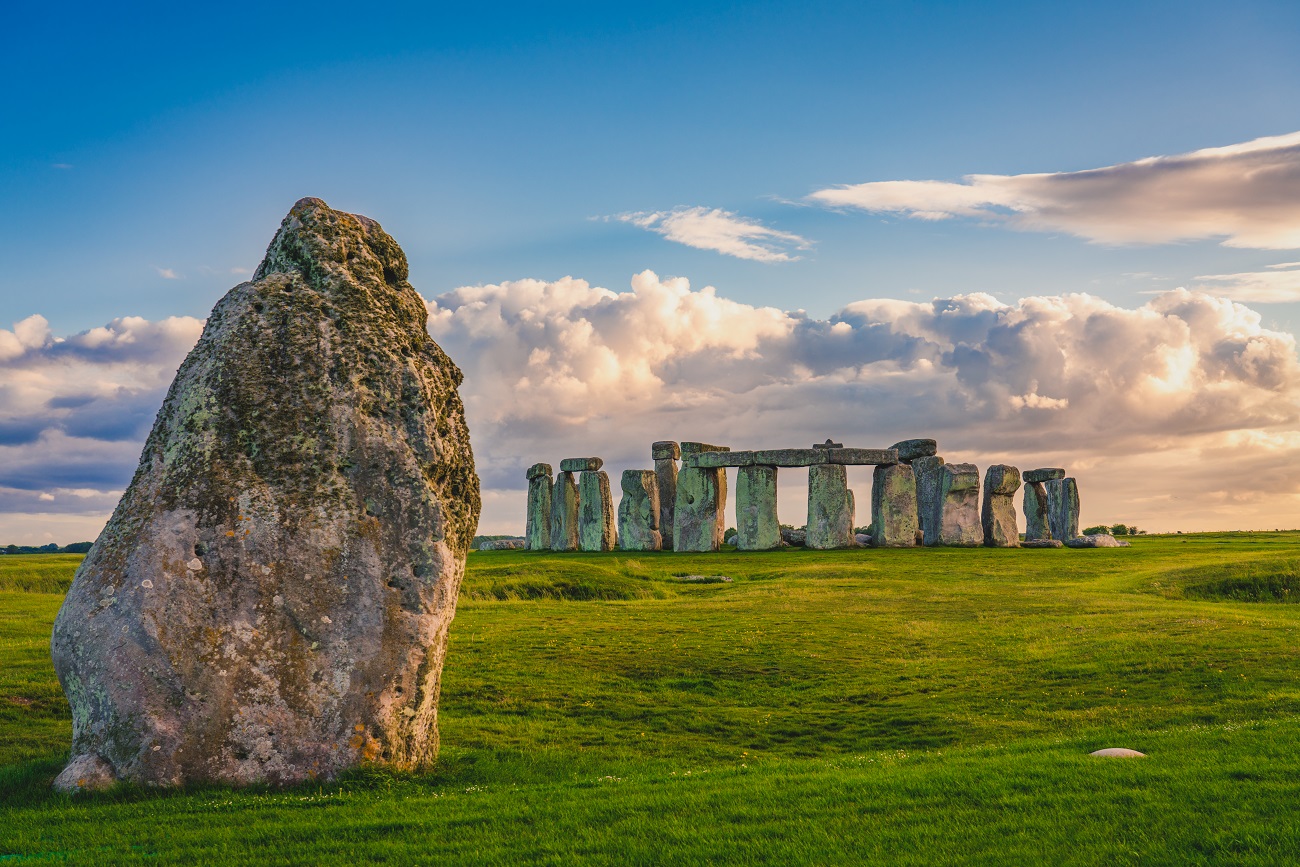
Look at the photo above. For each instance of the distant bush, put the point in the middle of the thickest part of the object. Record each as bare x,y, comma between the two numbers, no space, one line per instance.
51,548
729,535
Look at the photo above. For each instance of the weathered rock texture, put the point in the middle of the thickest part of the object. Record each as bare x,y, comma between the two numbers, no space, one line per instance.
1063,508
638,512
1096,540
893,507
596,530
998,513
564,513
581,465
695,515
757,528
830,513
910,450
717,489
270,600
928,470
665,454
1042,543
1035,506
538,527
1044,475
959,515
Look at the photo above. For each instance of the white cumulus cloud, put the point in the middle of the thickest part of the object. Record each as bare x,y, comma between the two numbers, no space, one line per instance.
720,231
1247,195
1278,284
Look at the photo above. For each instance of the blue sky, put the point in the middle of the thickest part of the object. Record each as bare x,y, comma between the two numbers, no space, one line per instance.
148,153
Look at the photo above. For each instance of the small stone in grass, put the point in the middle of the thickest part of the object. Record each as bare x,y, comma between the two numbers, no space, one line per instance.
1118,753
704,579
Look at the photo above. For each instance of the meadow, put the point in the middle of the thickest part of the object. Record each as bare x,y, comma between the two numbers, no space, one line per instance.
871,706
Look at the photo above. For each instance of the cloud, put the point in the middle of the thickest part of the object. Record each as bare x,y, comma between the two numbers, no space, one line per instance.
720,231
61,166
1246,194
167,273
1279,284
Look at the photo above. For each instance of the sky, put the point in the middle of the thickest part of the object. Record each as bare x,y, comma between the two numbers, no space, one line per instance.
1044,234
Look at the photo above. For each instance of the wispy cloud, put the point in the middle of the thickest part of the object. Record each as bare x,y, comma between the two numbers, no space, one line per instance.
167,273
1278,284
721,231
1247,195
61,166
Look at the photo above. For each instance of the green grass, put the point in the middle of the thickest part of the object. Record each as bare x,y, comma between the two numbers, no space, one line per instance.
894,706
38,573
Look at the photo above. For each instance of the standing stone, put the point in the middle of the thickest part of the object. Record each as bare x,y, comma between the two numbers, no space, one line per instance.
1035,505
564,513
929,503
638,512
716,492
830,517
1063,508
596,531
269,602
893,507
695,515
757,527
998,514
959,515
538,527
665,454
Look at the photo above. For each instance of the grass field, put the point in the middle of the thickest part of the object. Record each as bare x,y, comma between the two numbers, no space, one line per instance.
891,706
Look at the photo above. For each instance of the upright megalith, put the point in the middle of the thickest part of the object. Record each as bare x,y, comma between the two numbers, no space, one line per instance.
638,512
959,513
538,526
665,454
757,527
1063,508
564,513
998,513
830,513
1035,502
596,529
699,515
929,504
269,602
893,506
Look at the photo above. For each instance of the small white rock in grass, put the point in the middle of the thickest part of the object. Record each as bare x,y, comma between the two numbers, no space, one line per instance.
1118,753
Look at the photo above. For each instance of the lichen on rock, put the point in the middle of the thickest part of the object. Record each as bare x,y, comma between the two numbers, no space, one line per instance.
269,603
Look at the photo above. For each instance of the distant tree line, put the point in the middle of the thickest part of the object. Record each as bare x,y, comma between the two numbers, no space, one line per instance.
74,548
1114,530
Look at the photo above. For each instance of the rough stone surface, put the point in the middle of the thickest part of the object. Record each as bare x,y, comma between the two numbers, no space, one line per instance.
790,457
861,457
503,544
638,512
1035,506
537,529
539,470
720,525
713,460
86,773
695,515
830,517
1063,508
862,539
1096,540
929,504
998,512
269,602
959,514
665,450
893,507
829,444
693,448
581,465
1042,543
1044,475
793,538
666,476
757,528
910,450
564,513
596,528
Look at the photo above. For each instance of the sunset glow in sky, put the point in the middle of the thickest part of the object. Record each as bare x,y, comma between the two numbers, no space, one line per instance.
1043,234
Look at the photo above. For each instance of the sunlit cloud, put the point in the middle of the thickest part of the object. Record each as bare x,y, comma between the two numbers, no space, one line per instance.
1246,195
1280,283
167,273
720,231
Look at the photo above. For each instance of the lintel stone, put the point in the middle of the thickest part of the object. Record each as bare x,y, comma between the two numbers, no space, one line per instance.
910,450
580,465
1044,475
790,457
665,450
712,460
861,457
536,471
689,448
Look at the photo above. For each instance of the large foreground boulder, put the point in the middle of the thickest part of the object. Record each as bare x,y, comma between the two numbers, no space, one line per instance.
269,602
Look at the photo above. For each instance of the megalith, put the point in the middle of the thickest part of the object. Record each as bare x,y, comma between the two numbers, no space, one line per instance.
911,450
1035,502
959,513
269,602
893,506
928,470
830,516
638,512
564,513
998,512
699,515
757,527
1063,508
665,454
538,526
596,528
